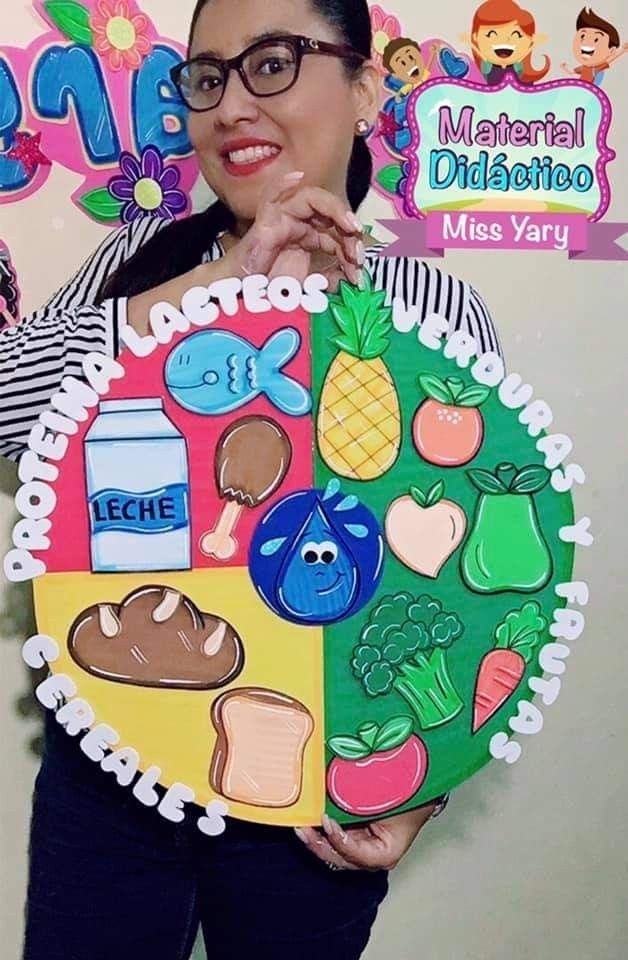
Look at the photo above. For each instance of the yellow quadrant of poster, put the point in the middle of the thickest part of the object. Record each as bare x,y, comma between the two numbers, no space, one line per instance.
279,656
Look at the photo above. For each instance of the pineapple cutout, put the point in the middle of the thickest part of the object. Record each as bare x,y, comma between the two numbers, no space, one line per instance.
359,417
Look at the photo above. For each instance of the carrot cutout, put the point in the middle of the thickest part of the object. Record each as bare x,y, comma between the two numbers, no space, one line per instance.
518,637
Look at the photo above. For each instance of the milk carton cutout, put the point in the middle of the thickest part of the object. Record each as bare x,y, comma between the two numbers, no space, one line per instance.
138,489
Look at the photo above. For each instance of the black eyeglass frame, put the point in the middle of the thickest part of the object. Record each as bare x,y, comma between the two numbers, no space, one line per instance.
301,46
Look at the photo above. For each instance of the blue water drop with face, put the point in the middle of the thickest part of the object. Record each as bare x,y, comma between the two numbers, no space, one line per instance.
316,557
319,578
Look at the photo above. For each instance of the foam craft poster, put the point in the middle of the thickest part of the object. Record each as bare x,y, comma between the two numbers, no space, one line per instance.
490,160
93,94
290,555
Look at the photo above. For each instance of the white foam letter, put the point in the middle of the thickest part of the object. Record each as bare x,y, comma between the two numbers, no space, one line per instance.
144,788
578,534
40,650
556,448
529,719
139,346
226,291
502,748
576,592
198,307
563,482
54,688
35,500
285,294
19,566
552,657
171,806
514,393
48,445
74,398
31,534
432,331
75,716
124,763
568,624
254,293
537,416
32,468
58,423
314,297
488,369
100,370
406,318
95,743
549,689
461,347
165,320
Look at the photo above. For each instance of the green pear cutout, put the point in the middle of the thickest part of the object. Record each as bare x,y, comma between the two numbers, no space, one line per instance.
506,549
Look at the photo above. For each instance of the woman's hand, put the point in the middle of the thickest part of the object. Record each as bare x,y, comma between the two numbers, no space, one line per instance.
379,845
299,230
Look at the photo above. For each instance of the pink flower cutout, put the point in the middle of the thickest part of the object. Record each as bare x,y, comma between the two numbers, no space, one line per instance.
120,37
386,27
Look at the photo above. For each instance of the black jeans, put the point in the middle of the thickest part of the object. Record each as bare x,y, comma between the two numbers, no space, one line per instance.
112,880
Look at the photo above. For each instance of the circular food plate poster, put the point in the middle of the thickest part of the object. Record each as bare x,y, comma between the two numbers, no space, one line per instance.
293,554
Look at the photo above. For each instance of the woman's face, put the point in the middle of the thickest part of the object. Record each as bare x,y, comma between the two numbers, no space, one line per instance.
504,44
309,127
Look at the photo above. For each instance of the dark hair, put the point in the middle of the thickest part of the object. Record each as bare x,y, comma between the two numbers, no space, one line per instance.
394,46
588,20
8,285
180,246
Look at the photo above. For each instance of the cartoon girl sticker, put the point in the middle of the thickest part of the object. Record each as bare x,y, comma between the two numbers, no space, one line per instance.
317,556
503,37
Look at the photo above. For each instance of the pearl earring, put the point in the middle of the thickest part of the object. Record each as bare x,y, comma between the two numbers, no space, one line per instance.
362,128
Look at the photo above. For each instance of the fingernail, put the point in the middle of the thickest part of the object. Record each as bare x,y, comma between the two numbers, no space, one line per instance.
360,253
353,221
332,827
295,175
300,835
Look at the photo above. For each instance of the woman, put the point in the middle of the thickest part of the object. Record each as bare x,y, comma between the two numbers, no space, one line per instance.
503,37
277,135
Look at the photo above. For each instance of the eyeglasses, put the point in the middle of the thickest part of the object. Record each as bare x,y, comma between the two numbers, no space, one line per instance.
266,68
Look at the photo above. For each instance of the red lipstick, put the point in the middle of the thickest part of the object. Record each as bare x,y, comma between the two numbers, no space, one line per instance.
246,143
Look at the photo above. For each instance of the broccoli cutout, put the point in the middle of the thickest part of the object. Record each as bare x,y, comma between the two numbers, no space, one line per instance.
403,647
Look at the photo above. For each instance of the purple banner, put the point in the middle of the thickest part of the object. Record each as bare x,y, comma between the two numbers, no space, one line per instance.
483,230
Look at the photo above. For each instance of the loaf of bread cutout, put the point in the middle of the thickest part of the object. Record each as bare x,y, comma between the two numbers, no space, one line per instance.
156,637
258,757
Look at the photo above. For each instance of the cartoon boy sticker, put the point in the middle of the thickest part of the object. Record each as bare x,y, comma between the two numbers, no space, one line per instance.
503,37
407,68
596,46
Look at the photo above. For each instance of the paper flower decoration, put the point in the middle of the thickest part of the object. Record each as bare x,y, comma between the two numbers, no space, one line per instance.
120,37
385,28
147,187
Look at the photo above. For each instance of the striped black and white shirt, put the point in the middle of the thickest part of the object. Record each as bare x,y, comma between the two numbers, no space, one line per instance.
52,342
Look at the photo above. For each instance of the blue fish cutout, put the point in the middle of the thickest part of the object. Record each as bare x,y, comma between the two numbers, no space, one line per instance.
215,372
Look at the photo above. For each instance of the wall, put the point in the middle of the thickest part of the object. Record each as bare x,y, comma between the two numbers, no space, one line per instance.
529,861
